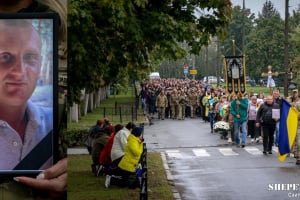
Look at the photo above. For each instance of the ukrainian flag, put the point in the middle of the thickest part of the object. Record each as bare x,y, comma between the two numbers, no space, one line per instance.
287,130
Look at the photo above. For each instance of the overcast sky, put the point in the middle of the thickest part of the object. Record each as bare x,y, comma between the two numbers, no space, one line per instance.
256,5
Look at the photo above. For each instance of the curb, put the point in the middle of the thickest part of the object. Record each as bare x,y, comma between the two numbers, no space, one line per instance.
170,178
77,151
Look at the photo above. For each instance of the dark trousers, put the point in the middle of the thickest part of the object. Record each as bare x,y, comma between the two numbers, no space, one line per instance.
187,111
211,116
268,136
252,129
120,177
123,178
116,162
168,113
203,114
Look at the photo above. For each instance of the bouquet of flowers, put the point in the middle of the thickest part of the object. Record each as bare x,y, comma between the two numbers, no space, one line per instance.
221,126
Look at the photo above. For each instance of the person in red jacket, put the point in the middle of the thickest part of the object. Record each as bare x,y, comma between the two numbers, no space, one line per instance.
129,162
104,158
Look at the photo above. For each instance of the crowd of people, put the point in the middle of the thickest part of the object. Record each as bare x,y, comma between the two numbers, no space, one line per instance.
116,152
249,115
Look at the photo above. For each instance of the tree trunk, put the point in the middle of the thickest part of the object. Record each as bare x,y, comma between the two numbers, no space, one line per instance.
85,104
102,93
74,113
98,98
91,102
106,88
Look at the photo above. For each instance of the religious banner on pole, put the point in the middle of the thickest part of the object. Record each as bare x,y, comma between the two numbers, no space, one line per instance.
235,74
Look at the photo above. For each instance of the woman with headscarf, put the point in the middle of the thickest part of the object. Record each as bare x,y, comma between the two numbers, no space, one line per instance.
129,163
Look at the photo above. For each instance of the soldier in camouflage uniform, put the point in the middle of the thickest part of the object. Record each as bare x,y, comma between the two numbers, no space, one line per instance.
295,102
193,101
174,102
182,105
161,104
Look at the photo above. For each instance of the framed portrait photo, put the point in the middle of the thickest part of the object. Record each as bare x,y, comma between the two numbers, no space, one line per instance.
29,93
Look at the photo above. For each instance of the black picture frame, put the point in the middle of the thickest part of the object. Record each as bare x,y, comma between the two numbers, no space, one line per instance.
45,94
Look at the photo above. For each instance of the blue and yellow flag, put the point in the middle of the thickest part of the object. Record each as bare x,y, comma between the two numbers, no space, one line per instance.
287,130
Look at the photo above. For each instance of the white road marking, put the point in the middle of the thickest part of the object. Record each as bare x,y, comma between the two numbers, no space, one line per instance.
201,153
253,150
228,152
174,153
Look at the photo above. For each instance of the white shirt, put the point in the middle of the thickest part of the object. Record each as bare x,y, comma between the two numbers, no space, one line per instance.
120,141
12,148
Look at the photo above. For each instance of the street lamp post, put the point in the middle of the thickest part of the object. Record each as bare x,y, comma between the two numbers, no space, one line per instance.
218,62
193,64
206,62
286,51
233,47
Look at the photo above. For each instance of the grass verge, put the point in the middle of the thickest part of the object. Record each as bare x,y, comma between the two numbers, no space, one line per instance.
82,185
85,122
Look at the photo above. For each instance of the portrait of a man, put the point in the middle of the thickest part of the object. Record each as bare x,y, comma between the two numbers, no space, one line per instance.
26,88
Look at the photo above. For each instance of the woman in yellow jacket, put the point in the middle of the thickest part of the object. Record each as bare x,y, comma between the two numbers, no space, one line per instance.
130,160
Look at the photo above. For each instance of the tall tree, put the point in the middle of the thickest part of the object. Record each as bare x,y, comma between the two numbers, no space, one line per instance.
268,10
266,42
295,46
108,36
235,30
295,34
295,18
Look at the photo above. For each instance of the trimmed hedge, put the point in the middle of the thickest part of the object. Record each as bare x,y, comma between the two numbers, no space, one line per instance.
76,137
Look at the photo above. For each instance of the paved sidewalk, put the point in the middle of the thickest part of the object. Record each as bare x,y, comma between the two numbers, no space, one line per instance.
72,151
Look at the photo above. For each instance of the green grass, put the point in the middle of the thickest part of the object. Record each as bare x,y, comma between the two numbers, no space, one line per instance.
257,89
264,89
83,185
90,119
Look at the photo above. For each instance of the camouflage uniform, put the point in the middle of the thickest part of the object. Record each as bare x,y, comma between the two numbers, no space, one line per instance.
182,105
296,148
174,102
193,101
161,104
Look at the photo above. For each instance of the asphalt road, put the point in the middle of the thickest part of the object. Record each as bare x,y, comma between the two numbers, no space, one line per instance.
205,167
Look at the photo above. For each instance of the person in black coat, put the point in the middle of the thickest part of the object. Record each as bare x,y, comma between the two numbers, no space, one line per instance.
142,95
267,116
151,104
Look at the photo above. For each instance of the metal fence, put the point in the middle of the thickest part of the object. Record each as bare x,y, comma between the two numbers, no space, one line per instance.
144,183
119,112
